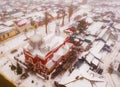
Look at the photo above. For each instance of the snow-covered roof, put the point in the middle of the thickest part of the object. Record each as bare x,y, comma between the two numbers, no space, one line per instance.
35,14
5,29
89,20
54,14
117,26
95,27
89,58
90,38
35,38
102,33
97,55
24,21
95,61
19,14
50,64
9,23
78,13
109,42
62,51
97,47
54,42
38,19
41,49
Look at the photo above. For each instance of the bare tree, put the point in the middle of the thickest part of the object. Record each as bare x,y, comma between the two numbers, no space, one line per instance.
70,11
63,17
82,26
46,22
57,16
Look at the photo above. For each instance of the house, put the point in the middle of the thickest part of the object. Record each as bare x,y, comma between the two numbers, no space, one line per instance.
7,32
22,24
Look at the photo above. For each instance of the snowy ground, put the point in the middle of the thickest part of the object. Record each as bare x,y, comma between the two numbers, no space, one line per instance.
6,58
